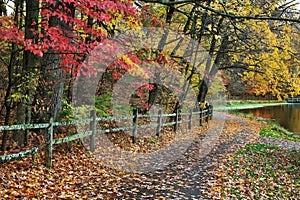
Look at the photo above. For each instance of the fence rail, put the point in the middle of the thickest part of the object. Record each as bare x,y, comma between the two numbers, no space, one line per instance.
205,114
293,100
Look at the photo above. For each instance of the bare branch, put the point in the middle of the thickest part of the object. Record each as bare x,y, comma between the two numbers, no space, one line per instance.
222,13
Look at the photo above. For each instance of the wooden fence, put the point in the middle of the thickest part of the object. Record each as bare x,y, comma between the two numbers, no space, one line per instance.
204,115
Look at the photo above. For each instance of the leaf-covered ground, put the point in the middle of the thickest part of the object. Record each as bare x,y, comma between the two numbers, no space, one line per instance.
209,168
258,171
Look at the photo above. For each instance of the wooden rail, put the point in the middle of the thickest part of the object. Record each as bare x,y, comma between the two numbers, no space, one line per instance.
205,114
293,100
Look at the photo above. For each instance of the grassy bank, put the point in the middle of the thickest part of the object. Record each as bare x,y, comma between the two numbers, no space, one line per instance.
271,128
237,106
259,171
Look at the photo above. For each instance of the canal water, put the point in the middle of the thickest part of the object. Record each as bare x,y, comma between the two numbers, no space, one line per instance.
287,115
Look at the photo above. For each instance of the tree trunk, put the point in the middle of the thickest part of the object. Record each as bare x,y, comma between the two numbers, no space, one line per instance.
153,95
203,89
29,64
10,70
53,75
206,82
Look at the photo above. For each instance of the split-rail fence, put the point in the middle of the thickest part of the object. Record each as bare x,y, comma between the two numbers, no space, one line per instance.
177,118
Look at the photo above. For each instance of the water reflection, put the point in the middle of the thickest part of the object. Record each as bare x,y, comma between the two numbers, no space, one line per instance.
287,115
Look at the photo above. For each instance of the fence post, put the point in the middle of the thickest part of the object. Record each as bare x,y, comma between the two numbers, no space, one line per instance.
207,114
93,129
190,119
26,137
159,123
135,123
49,141
201,117
211,111
176,121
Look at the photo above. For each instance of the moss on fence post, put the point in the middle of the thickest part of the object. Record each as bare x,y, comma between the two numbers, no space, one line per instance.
190,120
201,117
159,123
135,125
93,129
49,141
176,121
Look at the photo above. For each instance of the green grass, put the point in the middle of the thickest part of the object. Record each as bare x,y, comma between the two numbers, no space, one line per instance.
237,113
256,148
276,131
237,106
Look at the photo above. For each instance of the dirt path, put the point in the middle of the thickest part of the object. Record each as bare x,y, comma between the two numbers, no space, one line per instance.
188,177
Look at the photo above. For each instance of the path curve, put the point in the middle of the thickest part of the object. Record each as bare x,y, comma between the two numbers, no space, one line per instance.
189,177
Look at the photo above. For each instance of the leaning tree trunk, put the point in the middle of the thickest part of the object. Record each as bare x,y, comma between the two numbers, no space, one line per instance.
206,82
203,90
